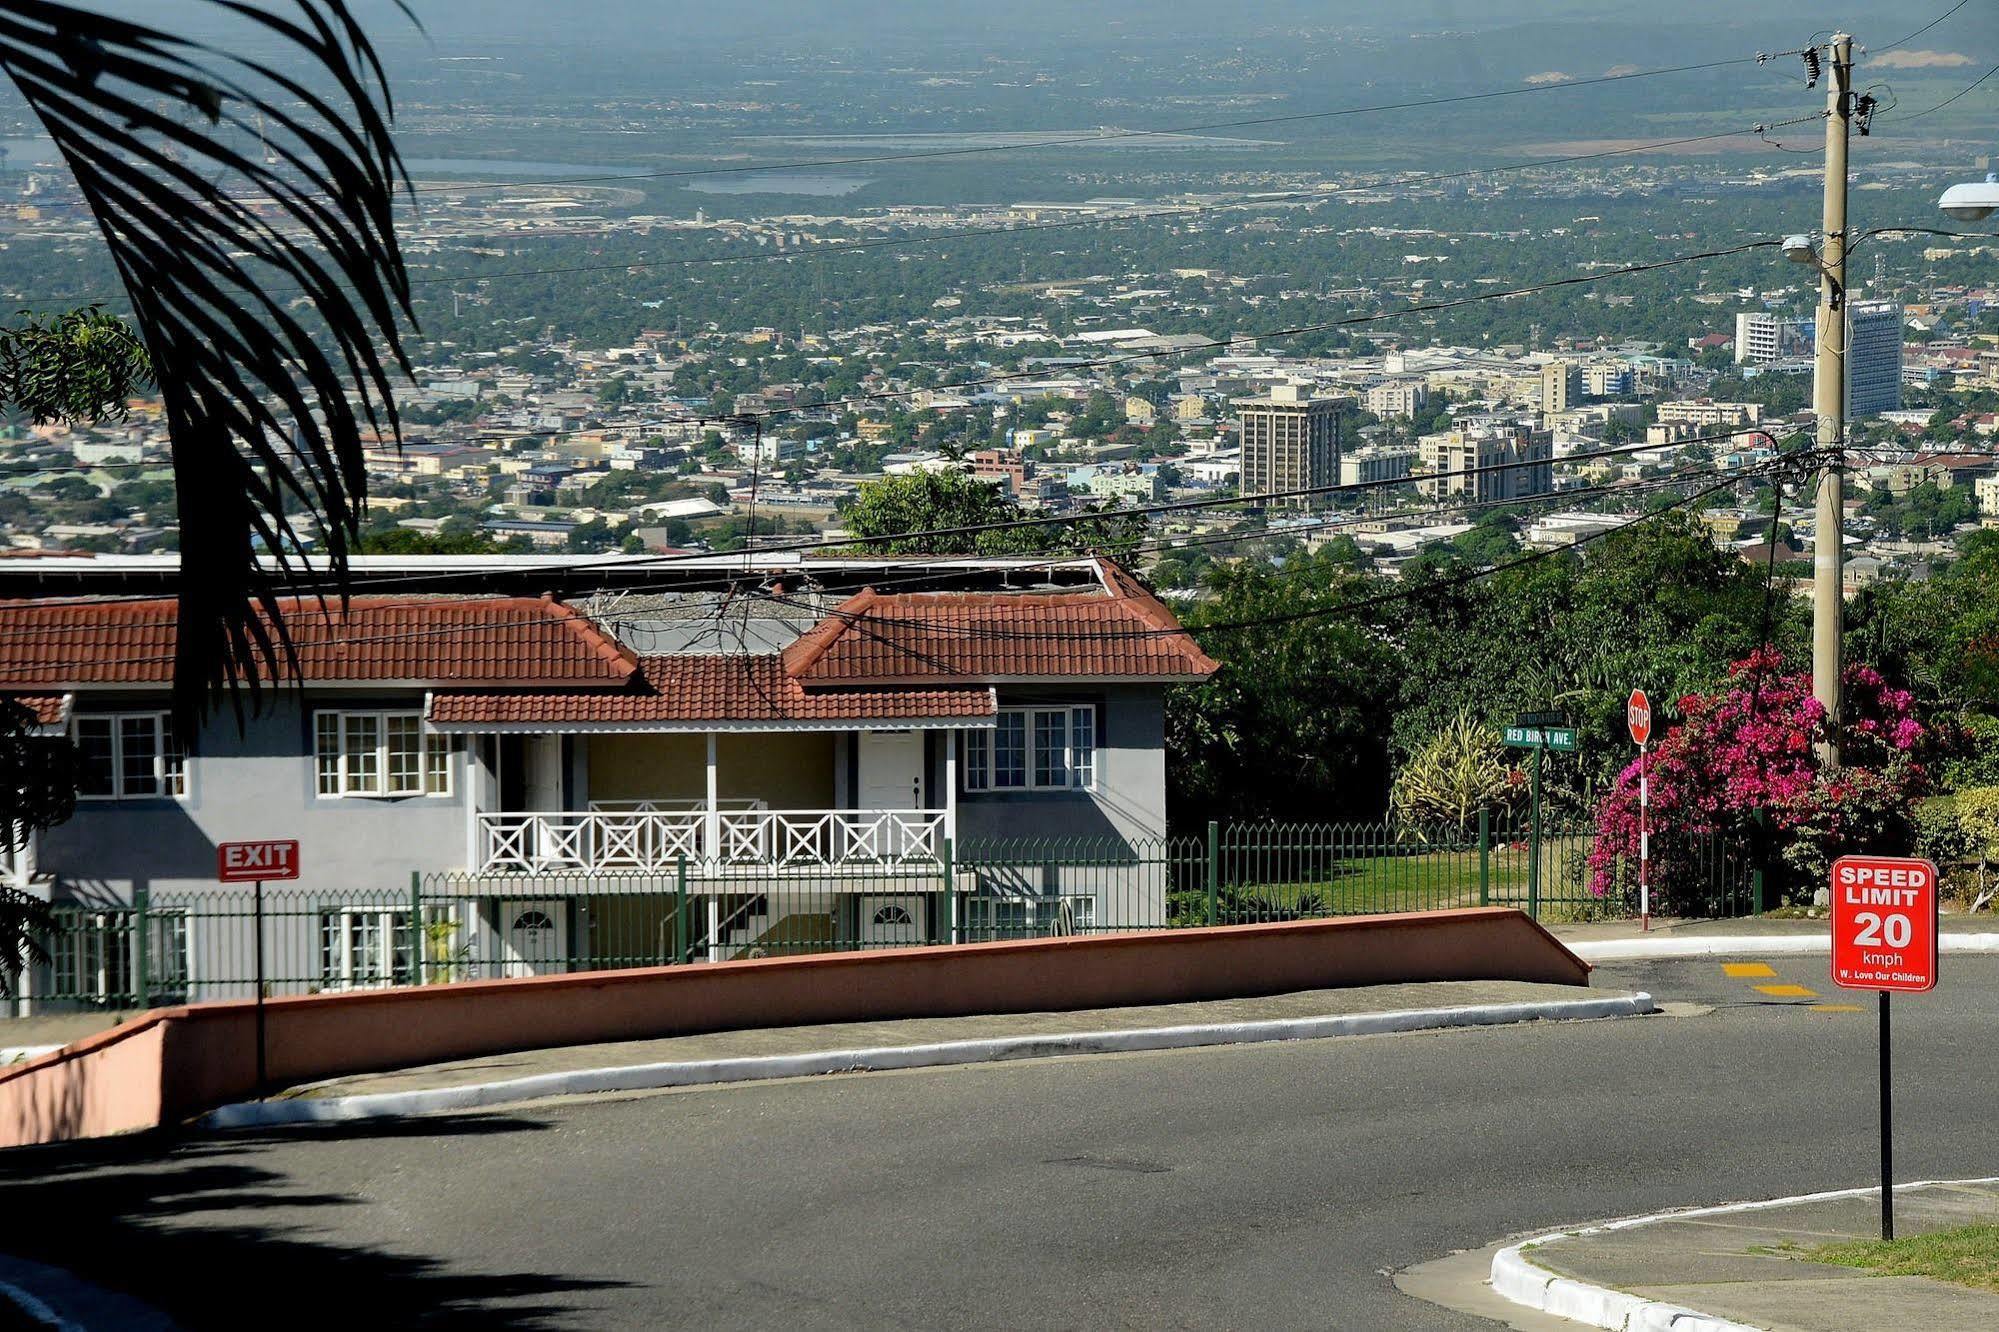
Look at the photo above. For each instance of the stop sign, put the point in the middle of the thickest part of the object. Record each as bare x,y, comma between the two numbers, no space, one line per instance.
1638,716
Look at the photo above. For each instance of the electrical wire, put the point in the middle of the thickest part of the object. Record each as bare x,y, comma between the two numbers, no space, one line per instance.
1172,212
974,150
1903,41
1126,358
730,579
1427,588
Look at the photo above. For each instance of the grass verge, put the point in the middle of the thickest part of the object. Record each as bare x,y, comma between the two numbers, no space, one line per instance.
1963,1256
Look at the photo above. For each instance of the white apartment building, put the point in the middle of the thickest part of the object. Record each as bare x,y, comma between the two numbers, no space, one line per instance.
1986,488
1376,464
1397,397
1707,413
1474,463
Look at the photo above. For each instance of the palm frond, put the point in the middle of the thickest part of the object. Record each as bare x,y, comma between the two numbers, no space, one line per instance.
219,248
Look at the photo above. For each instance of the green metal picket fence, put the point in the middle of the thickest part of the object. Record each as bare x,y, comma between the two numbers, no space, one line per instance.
442,928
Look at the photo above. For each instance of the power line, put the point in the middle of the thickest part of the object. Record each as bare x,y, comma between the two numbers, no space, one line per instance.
736,577
32,668
1315,612
1961,92
1902,41
1101,136
1125,358
1171,212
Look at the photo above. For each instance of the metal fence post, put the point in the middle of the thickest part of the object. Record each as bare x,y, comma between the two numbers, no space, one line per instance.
142,969
947,927
1534,853
419,943
1485,857
682,944
1214,871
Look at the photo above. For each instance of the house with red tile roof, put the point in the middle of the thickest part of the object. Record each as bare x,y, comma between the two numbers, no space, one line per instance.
716,759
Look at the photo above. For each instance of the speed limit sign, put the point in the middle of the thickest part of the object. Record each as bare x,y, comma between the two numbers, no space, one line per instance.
1884,923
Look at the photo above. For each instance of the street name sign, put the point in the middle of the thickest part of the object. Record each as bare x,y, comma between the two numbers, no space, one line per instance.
1540,718
254,862
1542,737
1884,923
1638,717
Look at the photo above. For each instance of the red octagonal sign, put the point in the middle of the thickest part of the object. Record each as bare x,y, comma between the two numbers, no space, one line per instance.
1884,923
1638,716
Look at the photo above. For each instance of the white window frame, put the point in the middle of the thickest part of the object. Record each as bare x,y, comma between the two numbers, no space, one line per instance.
337,955
1075,738
366,773
169,759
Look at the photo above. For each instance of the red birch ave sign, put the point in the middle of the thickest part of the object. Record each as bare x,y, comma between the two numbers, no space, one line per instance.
1638,717
1884,923
246,862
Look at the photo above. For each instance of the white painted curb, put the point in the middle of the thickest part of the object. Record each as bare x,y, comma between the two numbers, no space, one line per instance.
638,1077
1729,945
1519,1279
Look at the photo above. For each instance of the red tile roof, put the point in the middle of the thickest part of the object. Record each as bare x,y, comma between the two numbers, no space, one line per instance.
48,709
496,641
708,689
1123,632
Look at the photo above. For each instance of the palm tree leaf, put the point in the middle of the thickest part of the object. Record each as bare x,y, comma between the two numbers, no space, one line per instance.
267,405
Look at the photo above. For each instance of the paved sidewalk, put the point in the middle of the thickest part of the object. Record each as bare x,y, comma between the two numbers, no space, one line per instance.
1747,1266
924,1031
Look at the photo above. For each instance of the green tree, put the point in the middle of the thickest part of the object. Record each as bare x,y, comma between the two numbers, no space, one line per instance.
891,510
1458,771
266,282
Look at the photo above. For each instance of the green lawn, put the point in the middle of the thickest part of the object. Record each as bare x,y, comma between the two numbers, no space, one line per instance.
1964,1256
1430,881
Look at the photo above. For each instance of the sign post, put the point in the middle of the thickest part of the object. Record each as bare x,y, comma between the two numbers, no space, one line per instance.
1537,731
254,862
1884,938
1638,720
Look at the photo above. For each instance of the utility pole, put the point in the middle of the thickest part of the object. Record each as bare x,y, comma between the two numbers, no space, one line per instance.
1830,401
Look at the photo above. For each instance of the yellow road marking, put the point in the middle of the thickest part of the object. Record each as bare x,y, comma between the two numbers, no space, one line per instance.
1837,1008
1787,991
1739,970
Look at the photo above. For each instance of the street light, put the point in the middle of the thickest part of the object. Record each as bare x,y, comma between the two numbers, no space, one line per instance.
1974,202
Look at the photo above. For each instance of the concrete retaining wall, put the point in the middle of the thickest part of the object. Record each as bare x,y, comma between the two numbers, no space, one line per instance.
171,1064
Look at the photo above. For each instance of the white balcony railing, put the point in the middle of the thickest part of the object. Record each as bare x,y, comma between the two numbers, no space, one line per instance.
655,840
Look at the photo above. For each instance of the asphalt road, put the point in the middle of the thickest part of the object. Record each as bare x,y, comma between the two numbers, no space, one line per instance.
1252,1187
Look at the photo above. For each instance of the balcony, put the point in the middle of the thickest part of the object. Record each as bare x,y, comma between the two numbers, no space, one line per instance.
649,837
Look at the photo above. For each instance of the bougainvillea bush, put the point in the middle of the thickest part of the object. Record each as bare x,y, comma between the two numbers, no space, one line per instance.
1749,750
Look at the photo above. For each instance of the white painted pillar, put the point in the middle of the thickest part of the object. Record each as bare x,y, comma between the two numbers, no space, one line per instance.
712,834
952,739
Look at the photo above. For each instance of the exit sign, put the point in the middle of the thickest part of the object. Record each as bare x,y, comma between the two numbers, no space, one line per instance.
246,862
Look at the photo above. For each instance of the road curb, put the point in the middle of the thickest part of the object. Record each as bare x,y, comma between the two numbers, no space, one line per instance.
1526,1283
1728,945
694,1073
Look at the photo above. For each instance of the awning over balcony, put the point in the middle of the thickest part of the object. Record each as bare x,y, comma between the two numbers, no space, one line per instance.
714,692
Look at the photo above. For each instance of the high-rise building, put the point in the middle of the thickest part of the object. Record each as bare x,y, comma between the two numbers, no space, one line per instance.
1477,464
1606,379
1758,338
1561,386
1762,338
1289,442
1873,358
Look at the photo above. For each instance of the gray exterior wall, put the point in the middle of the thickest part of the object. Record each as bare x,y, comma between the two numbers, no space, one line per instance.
1129,802
251,785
